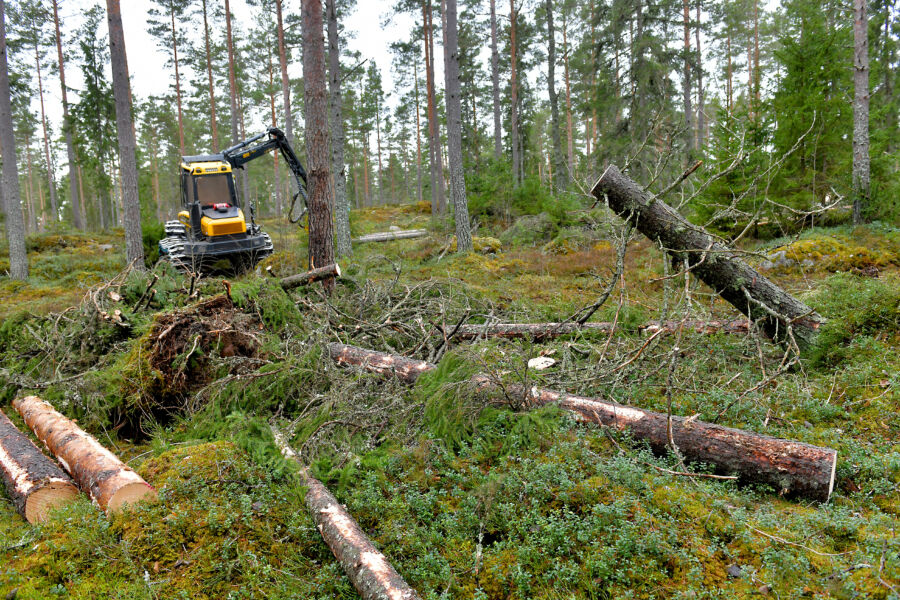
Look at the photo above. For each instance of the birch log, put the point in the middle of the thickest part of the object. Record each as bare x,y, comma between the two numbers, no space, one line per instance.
289,283
388,236
35,483
106,479
368,569
792,468
717,265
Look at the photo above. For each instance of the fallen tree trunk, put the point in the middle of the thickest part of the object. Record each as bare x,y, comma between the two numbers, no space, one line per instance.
368,569
541,331
35,483
106,479
717,265
289,283
388,236
792,468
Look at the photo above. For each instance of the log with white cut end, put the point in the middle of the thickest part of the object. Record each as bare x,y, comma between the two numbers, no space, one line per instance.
791,468
368,569
541,331
106,479
388,236
717,265
35,483
293,281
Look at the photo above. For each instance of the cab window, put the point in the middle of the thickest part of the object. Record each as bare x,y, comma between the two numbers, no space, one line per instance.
212,189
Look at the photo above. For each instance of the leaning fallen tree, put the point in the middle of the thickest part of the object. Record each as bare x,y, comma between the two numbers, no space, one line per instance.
792,468
717,265
388,236
541,331
35,483
293,281
368,569
106,479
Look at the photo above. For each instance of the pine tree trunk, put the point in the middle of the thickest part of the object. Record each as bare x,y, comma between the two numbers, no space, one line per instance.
339,172
689,134
212,93
278,202
379,179
438,202
514,94
560,179
177,83
232,79
860,110
454,129
15,222
321,242
134,246
51,180
74,198
729,94
495,83
701,118
418,134
570,140
285,82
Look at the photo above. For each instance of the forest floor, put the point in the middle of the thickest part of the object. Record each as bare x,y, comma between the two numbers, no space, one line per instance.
468,498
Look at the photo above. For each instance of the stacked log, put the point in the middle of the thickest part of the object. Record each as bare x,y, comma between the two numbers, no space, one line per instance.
717,265
289,283
388,236
107,480
35,483
792,468
368,569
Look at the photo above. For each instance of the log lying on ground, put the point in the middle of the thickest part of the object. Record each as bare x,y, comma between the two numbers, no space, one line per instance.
35,483
541,331
717,265
368,569
388,236
106,479
289,283
792,468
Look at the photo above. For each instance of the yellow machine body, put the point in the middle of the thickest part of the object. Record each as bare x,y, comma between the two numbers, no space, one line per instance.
226,226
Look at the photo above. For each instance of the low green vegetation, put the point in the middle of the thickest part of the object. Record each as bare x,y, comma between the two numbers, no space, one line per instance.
468,494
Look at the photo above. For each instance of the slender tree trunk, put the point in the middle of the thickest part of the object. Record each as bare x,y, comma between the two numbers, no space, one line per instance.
561,179
514,94
418,135
454,129
379,179
212,94
134,247
278,203
51,179
321,242
285,82
570,141
339,172
701,118
729,93
751,96
756,72
689,134
177,83
438,202
495,83
860,110
245,180
154,169
15,222
77,221
232,87
29,192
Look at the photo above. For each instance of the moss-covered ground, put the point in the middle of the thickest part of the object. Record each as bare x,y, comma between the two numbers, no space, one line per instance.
469,497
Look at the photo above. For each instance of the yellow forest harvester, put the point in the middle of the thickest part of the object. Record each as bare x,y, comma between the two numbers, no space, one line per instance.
212,227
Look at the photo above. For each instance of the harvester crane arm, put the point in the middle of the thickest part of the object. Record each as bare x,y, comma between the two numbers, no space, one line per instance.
258,145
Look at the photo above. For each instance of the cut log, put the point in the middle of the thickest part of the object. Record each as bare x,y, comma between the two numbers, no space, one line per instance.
289,283
35,483
388,236
106,479
717,265
368,569
792,468
541,331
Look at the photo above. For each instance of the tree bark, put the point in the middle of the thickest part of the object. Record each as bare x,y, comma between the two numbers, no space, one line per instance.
177,81
495,83
783,316
438,202
793,468
232,85
134,246
74,198
388,236
51,179
15,222
300,279
514,94
368,569
36,484
860,110
570,141
285,82
454,129
278,199
689,135
106,479
561,178
321,242
339,172
701,118
209,75
418,133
